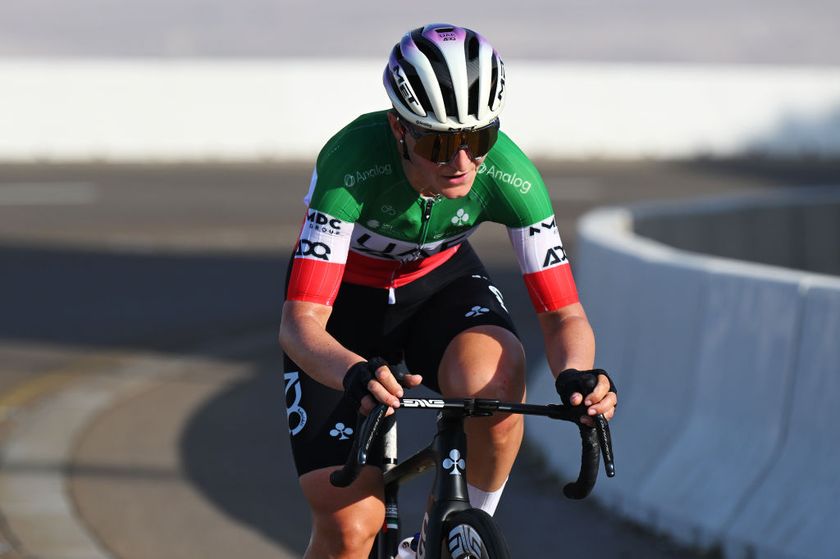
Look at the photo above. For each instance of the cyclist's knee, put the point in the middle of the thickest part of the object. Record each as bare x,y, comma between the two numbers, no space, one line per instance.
485,362
345,534
345,520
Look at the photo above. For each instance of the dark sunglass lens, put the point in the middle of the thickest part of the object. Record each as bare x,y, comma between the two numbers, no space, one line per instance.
448,146
477,144
435,147
427,146
442,147
484,141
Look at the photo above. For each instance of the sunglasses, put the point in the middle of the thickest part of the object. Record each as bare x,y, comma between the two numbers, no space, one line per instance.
441,147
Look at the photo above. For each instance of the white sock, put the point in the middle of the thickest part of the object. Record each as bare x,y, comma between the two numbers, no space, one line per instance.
486,501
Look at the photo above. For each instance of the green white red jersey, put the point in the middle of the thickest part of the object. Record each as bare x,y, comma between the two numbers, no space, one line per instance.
366,225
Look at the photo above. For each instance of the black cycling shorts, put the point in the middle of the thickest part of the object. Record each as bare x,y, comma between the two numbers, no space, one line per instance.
427,315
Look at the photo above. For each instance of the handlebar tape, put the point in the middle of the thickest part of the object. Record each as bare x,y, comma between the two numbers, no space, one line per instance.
589,461
359,451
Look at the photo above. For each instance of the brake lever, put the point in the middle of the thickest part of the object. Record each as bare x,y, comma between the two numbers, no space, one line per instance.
602,427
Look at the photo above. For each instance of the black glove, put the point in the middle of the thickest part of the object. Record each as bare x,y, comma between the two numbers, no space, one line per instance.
571,380
357,378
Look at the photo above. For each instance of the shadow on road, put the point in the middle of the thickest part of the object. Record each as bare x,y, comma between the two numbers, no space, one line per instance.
235,449
135,301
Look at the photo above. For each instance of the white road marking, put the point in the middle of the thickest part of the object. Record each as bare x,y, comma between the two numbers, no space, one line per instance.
38,447
48,193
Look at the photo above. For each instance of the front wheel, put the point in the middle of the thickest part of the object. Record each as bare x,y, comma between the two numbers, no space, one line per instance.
472,534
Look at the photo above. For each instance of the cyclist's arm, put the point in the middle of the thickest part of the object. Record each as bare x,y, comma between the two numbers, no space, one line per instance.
524,207
570,344
304,338
569,340
318,265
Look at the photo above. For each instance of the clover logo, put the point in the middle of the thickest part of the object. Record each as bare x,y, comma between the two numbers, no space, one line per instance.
343,433
455,462
461,217
476,311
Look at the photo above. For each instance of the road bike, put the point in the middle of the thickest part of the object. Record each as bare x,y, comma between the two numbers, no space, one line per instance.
451,528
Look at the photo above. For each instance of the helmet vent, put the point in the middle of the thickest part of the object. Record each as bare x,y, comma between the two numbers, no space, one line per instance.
473,72
441,72
416,83
472,48
494,83
445,29
429,50
473,108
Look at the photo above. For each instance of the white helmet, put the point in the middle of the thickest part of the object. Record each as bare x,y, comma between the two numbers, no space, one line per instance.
443,77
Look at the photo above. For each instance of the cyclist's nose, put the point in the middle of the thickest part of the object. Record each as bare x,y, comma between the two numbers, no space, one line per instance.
462,159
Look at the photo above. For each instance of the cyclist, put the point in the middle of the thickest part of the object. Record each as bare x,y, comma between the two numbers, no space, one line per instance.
383,269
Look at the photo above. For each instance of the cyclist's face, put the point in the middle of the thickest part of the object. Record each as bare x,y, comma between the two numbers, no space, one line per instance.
452,179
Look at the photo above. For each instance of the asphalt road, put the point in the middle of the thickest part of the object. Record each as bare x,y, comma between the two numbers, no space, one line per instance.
166,282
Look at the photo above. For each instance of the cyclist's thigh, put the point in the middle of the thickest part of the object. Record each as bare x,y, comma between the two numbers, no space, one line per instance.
470,302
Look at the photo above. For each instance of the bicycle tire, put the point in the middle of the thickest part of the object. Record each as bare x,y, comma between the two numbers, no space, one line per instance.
472,534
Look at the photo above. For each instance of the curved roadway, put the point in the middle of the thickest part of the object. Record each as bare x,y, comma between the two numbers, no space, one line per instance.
141,400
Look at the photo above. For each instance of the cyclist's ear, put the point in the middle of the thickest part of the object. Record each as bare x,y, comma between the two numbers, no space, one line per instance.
397,129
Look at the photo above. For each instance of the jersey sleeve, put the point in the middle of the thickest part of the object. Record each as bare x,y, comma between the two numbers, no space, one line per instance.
521,202
341,183
324,241
320,258
544,265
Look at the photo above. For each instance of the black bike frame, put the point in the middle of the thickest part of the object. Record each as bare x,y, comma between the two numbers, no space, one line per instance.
447,453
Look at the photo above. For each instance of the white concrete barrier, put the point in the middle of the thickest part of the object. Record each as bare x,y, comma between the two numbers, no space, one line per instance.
666,298
727,374
794,511
739,380
175,109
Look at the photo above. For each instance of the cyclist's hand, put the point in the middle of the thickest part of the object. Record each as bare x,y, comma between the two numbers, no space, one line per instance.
593,388
370,382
